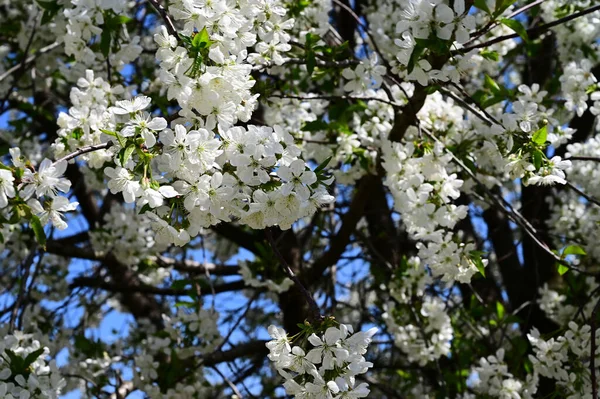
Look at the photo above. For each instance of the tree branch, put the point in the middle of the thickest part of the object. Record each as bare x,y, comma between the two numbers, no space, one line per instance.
531,31
165,16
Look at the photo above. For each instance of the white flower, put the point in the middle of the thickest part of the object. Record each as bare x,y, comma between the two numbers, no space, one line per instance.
52,211
167,234
17,159
146,127
46,181
327,349
121,180
7,189
320,388
297,178
164,39
280,345
127,107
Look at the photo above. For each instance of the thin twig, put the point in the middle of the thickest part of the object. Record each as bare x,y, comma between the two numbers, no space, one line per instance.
26,266
492,24
85,150
593,159
238,321
593,351
510,212
21,65
228,382
584,195
302,61
531,31
336,98
315,314
29,60
367,32
165,16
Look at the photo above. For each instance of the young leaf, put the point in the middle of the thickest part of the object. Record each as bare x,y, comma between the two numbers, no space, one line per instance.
562,269
482,5
323,165
517,27
492,85
311,62
476,258
109,132
500,310
201,39
574,250
538,158
105,39
490,55
38,230
501,6
32,357
126,153
541,135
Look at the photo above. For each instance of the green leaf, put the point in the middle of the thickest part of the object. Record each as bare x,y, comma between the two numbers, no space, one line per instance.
492,85
105,39
323,165
476,258
311,62
144,209
517,27
51,8
181,284
502,5
482,5
574,250
562,269
500,310
489,101
38,231
109,132
490,55
48,5
201,40
538,158
541,135
32,357
118,20
16,362
315,126
124,154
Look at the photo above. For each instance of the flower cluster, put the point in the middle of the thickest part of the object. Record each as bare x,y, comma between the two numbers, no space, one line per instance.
494,379
125,234
34,194
208,72
422,20
575,84
24,370
555,306
252,174
585,173
577,37
566,358
200,328
90,22
251,280
367,75
423,191
328,369
426,343
89,114
427,334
